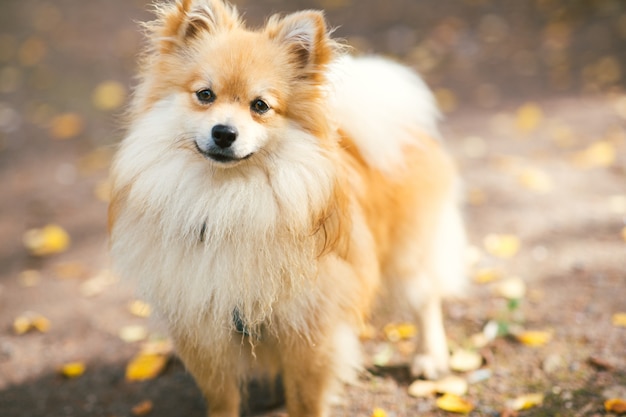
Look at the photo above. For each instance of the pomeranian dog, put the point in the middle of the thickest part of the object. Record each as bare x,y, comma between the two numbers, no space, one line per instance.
270,187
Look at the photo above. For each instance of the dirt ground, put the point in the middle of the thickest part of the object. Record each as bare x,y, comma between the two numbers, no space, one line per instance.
535,113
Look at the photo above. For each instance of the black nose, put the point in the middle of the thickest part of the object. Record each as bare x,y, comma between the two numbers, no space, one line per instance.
223,135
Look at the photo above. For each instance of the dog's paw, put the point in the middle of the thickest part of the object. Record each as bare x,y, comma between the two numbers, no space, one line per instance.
429,366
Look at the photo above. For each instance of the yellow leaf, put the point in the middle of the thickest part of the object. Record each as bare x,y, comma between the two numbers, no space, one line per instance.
512,288
615,405
486,275
451,384
535,180
140,308
145,366
526,401
454,404
401,331
600,154
47,240
41,323
379,412
66,126
619,319
528,117
623,233
108,95
463,360
132,334
30,321
142,408
534,338
421,388
73,369
502,245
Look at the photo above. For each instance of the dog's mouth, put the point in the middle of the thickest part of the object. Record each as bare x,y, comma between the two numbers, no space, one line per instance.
223,156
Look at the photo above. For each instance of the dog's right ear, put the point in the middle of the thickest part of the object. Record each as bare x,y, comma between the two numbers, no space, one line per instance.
181,21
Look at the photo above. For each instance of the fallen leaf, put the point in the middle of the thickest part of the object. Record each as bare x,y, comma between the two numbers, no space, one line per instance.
623,233
97,284
140,308
73,369
526,401
379,412
502,245
463,360
421,388
142,408
486,275
133,333
66,126
512,288
536,180
451,384
48,240
145,366
600,154
30,321
615,405
399,331
108,95
534,338
454,404
528,117
619,319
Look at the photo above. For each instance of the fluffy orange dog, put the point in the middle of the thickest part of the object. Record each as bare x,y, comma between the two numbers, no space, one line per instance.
267,189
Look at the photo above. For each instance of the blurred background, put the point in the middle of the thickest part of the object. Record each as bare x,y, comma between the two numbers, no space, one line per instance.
534,107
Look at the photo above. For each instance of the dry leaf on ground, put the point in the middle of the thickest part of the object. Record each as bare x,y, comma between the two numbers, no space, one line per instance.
502,245
48,240
399,331
512,288
142,408
140,308
528,117
615,405
108,95
534,338
526,401
454,404
379,412
146,366
66,126
30,321
463,360
133,333
619,319
73,369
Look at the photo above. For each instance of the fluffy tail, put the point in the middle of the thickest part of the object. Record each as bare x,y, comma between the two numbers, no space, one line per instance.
383,106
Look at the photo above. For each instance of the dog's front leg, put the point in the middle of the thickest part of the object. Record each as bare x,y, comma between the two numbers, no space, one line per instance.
307,374
217,377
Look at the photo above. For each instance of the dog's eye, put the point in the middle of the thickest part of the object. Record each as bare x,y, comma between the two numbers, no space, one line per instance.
205,95
259,106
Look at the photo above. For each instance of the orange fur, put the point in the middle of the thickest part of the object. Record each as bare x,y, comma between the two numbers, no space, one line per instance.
320,227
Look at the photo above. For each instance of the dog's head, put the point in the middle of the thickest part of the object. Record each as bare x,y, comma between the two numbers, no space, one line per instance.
234,91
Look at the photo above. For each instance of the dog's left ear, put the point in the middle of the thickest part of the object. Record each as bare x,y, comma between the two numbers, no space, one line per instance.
305,36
